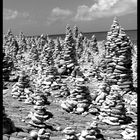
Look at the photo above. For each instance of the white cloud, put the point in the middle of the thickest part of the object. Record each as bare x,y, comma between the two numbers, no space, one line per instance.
106,8
9,14
61,12
58,14
24,14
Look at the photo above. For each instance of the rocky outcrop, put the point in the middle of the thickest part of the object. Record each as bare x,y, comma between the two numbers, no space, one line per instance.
8,125
91,132
39,115
70,133
118,57
78,101
7,67
113,109
21,89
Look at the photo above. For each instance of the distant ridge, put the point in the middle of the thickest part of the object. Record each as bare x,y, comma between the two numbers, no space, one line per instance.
90,32
61,34
81,32
100,35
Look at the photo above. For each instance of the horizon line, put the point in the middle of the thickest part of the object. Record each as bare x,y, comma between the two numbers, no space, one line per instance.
64,32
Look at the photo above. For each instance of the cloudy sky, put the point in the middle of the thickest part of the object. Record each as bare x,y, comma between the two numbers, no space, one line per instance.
34,17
